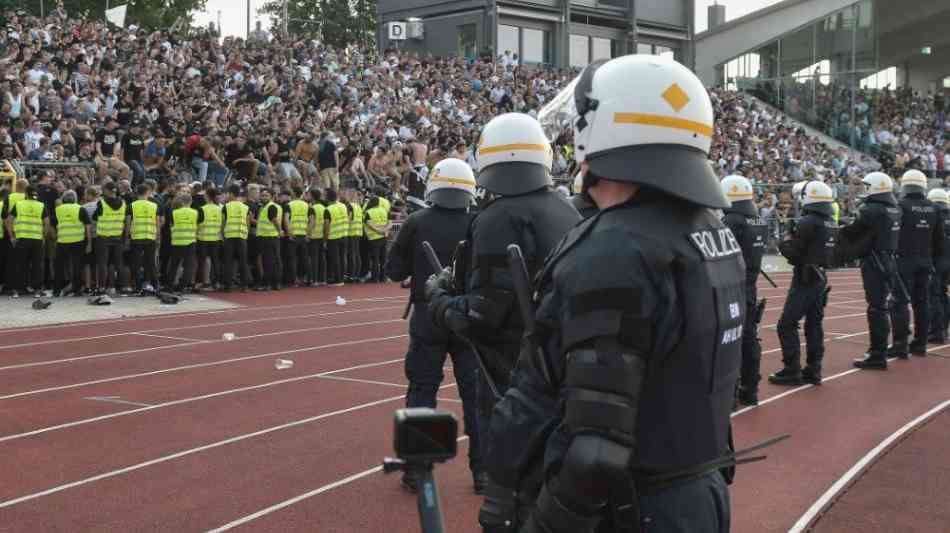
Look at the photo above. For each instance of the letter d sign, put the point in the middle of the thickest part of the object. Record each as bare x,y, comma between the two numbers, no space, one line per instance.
397,31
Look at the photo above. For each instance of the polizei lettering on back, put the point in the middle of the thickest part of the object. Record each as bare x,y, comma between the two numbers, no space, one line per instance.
715,243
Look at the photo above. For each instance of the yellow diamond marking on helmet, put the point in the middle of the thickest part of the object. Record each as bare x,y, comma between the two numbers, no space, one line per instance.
676,97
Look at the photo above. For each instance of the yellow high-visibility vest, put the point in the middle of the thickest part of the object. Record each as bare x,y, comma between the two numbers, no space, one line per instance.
339,223
235,227
210,228
266,228
144,220
111,222
14,197
836,211
379,217
184,226
319,212
28,223
356,225
69,229
384,203
299,216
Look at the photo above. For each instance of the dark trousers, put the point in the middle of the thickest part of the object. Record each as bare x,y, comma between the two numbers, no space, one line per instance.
297,253
6,263
69,265
751,346
377,258
181,256
318,261
428,346
707,499
916,276
354,268
29,255
270,257
253,254
877,287
108,260
210,252
335,253
235,250
939,302
164,255
806,298
142,256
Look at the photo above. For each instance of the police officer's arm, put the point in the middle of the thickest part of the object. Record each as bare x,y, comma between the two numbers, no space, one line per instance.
794,248
937,236
399,265
608,330
861,225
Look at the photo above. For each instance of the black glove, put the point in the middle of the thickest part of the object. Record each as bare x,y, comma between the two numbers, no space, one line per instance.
441,281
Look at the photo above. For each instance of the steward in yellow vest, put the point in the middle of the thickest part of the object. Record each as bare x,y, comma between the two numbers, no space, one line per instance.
237,219
269,230
297,221
317,245
144,224
110,233
336,224
210,224
73,229
184,234
27,224
377,227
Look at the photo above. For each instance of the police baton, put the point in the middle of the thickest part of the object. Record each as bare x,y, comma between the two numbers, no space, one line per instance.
518,270
769,279
437,267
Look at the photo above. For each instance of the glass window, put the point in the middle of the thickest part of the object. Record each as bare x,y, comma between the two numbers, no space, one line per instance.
664,51
865,49
946,83
833,43
768,61
580,50
508,39
600,48
534,46
644,48
467,45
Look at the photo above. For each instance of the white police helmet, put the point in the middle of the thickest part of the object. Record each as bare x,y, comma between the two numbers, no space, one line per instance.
514,155
642,119
880,186
797,190
939,196
817,197
739,191
913,181
451,184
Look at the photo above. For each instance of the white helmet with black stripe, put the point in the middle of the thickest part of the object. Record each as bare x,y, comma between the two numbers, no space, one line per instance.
514,155
451,184
642,119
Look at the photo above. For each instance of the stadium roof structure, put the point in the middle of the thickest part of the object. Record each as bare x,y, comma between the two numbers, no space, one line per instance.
911,35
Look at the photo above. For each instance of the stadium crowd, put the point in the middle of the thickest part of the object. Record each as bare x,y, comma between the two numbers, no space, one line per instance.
188,120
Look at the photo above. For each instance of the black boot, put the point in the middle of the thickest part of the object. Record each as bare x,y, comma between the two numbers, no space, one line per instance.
898,350
871,362
747,396
787,376
410,482
935,338
812,375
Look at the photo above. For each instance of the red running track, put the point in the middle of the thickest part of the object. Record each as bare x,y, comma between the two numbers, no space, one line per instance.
157,424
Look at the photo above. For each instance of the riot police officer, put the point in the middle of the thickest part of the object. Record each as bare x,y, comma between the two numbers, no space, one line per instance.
514,159
639,321
939,303
751,232
921,240
450,192
873,237
809,249
580,200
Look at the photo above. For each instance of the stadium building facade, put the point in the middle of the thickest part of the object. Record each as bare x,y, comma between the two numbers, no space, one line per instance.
562,33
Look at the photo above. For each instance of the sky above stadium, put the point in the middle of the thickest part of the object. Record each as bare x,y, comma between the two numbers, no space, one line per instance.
233,13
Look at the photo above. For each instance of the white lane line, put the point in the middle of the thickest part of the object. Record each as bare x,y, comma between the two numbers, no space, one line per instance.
116,399
301,497
366,381
192,451
239,309
172,346
832,282
199,365
198,326
819,505
830,303
453,400
773,326
194,399
167,337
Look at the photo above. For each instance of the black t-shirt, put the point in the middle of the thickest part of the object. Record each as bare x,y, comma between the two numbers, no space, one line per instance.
108,140
284,147
125,112
132,146
326,157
